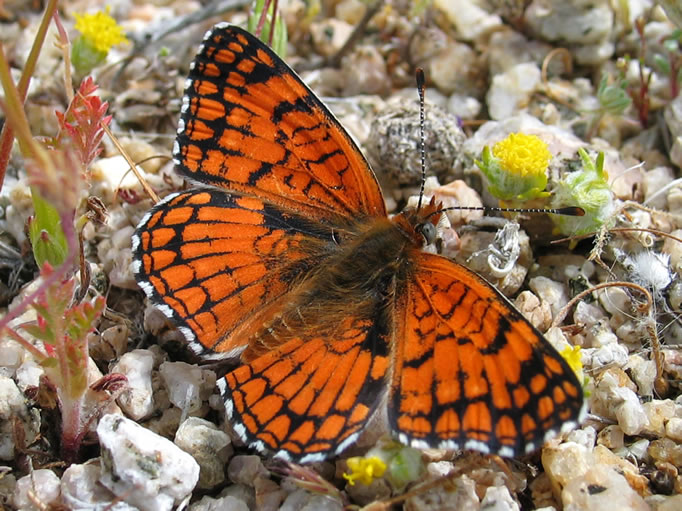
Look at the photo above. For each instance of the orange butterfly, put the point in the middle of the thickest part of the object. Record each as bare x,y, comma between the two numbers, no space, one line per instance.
284,256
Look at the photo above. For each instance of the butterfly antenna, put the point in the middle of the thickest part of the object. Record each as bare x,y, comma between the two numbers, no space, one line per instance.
567,211
422,122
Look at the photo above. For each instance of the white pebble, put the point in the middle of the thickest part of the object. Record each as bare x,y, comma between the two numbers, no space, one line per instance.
497,498
143,468
137,401
601,487
40,486
187,384
512,90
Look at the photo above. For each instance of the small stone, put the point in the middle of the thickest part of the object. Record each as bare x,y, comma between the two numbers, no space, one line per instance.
612,437
245,469
643,373
137,400
587,437
564,463
538,313
673,429
469,18
228,503
366,69
142,151
637,481
142,468
621,403
453,67
658,412
575,23
512,90
600,335
330,35
269,495
81,489
550,291
459,494
497,498
587,314
363,494
640,449
110,344
666,450
166,425
351,11
654,180
301,500
13,406
28,375
671,503
610,355
12,355
601,487
615,300
188,385
209,446
464,107
37,491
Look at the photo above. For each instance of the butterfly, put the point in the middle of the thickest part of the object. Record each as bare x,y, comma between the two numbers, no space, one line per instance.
283,256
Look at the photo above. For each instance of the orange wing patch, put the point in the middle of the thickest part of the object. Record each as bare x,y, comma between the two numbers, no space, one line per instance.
470,371
309,398
249,124
213,262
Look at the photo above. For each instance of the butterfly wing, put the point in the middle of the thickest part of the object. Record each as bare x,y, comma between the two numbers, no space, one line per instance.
470,371
250,125
310,398
219,265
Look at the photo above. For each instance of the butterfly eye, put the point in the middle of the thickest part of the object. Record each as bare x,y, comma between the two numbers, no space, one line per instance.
429,231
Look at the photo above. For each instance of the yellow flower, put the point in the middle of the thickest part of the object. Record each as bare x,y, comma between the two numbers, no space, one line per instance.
516,167
364,469
522,154
100,30
572,355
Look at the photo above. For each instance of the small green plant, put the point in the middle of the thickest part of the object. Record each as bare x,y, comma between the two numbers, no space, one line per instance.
589,189
516,167
63,326
98,33
263,15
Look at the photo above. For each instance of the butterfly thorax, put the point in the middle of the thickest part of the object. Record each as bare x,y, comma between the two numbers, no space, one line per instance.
363,269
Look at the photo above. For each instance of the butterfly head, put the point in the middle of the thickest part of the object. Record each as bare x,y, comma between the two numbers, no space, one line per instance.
421,224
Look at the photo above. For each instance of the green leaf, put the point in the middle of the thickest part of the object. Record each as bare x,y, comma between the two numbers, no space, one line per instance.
46,234
80,318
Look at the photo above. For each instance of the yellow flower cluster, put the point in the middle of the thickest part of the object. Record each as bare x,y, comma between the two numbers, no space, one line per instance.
522,154
364,469
100,29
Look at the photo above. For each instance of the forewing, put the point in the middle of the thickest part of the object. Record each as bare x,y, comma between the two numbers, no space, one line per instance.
310,398
251,125
470,371
218,264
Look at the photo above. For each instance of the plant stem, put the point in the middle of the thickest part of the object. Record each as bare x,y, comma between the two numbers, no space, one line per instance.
7,134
